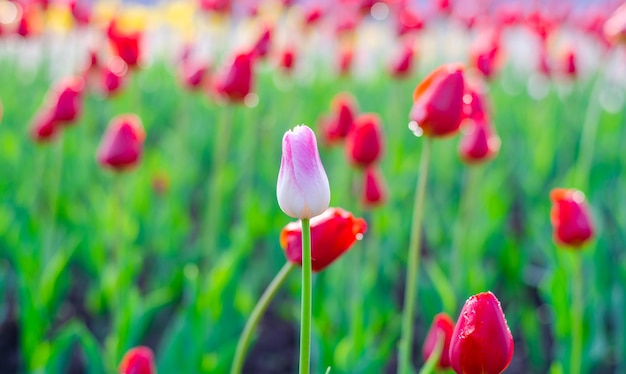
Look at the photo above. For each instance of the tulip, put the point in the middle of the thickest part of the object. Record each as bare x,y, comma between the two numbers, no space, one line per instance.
474,104
113,76
286,59
302,188
479,142
193,74
341,122
374,191
570,217
262,46
485,54
364,143
409,22
615,26
65,100
568,63
346,55
138,360
441,328
218,6
122,143
81,12
43,127
125,44
402,65
236,81
438,101
481,341
332,234
312,15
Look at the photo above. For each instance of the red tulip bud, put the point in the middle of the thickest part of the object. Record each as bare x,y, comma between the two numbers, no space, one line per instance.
332,234
262,46
441,328
286,59
122,143
43,127
479,142
138,360
481,341
125,44
570,217
364,143
81,11
217,6
193,74
485,53
65,100
374,190
402,64
409,21
438,101
236,81
113,76
341,121
568,63
346,55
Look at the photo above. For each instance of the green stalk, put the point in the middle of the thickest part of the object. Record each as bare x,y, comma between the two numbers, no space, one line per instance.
255,317
431,364
412,272
577,315
305,322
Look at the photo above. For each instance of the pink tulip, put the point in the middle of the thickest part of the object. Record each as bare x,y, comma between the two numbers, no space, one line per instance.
302,189
138,360
122,144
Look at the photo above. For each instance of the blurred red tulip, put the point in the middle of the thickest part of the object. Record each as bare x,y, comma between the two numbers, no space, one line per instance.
479,142
474,103
193,74
312,14
341,121
346,56
138,360
263,44
122,143
65,100
43,127
444,7
402,64
81,11
364,143
125,44
438,101
332,234
509,13
540,23
569,64
441,328
570,217
409,21
485,53
113,76
615,26
286,58
544,66
374,189
481,341
237,80
217,6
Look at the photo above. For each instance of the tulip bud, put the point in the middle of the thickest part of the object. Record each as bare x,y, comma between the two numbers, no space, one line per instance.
332,234
615,26
138,360
122,143
193,74
481,341
570,217
438,101
568,64
479,142
341,121
43,127
113,76
125,45
344,62
262,46
364,143
485,54
287,58
402,64
409,21
66,100
441,328
375,192
302,188
236,81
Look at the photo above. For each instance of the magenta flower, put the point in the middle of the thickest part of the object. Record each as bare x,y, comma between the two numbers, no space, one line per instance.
302,189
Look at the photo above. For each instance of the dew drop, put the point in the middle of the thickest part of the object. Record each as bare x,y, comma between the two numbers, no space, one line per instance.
251,100
359,236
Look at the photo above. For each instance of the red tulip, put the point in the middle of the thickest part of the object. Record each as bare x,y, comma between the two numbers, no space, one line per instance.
479,142
81,11
113,76
138,360
509,14
262,46
122,143
568,63
125,44
409,21
65,100
615,26
342,118
485,53
364,143
346,56
286,59
312,15
332,234
402,65
570,217
438,101
481,341
236,81
474,104
441,328
193,74
374,190
43,127
218,6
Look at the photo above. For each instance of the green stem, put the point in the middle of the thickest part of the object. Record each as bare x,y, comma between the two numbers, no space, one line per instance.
412,273
577,315
218,163
431,364
305,322
253,320
590,129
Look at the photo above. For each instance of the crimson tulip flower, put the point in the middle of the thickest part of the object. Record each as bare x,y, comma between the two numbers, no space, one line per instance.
122,143
138,360
441,328
570,217
569,64
237,80
402,64
345,58
286,58
217,6
486,54
409,21
125,44
341,121
374,190
263,44
481,341
65,100
43,127
479,142
113,76
193,74
438,101
332,234
364,143
81,11
615,26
